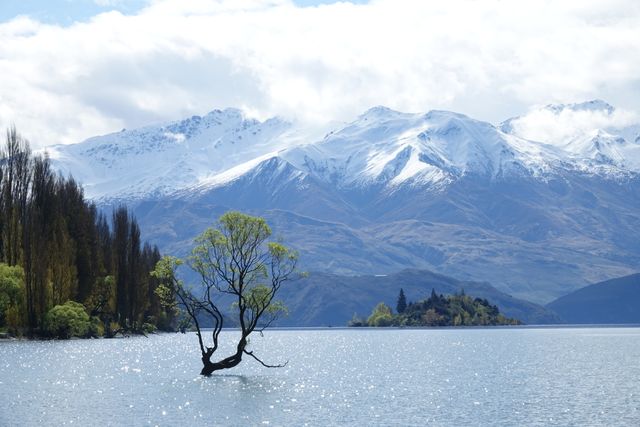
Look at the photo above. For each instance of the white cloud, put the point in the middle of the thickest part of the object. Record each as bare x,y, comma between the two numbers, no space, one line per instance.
107,3
489,59
564,126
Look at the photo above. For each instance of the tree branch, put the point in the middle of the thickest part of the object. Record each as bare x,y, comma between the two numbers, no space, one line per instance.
250,353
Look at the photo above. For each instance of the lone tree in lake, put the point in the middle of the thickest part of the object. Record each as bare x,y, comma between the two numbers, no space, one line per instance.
233,259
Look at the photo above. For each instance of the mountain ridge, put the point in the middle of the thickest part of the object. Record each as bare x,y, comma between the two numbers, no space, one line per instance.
383,146
390,190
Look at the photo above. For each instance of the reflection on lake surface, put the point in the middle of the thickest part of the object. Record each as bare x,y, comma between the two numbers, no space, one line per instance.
348,377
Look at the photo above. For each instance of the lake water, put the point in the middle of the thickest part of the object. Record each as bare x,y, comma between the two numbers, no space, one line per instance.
449,377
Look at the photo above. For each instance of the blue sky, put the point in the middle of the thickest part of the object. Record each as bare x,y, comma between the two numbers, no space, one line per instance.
65,12
62,11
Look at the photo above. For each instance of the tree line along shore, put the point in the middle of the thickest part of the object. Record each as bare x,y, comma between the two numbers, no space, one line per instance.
66,269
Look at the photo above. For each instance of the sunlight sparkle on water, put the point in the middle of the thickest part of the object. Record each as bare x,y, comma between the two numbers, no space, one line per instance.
348,377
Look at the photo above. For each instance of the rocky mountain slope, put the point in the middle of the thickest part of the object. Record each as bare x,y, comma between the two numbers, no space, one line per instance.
537,206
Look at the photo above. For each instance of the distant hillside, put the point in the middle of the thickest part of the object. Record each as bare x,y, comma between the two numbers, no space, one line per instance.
612,301
326,299
438,191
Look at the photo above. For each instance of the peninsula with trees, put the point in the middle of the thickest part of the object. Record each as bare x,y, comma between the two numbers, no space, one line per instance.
437,310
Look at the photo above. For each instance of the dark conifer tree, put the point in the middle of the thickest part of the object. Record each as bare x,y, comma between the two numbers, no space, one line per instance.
135,278
66,247
402,302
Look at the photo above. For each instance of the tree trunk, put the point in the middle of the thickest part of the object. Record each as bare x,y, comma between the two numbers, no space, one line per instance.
229,362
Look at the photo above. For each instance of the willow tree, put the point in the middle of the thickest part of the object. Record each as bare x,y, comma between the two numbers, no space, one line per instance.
236,260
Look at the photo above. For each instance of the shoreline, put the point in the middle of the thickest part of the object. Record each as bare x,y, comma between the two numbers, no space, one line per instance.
554,326
5,337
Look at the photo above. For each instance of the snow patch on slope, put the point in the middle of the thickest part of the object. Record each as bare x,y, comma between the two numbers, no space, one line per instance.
385,147
157,160
382,148
592,136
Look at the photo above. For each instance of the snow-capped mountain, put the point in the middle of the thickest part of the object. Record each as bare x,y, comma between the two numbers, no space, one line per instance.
385,147
382,147
540,205
592,136
159,160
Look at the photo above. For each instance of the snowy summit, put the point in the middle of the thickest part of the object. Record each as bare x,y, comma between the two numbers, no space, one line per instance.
382,148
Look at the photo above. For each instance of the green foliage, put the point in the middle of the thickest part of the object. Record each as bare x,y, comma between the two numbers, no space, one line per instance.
259,299
357,321
166,291
102,298
380,316
66,248
165,272
234,258
68,320
149,328
455,310
15,320
236,264
97,327
439,310
11,296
